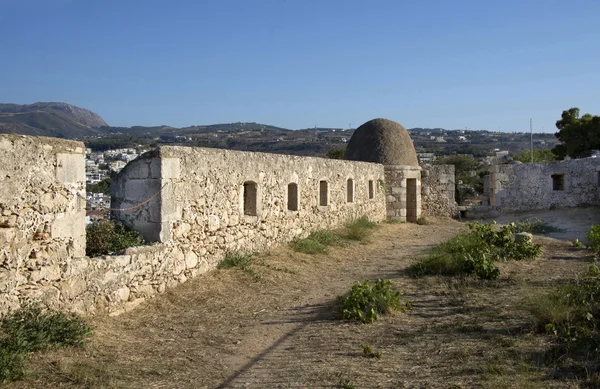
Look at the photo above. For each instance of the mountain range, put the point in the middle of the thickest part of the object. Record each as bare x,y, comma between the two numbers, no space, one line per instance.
59,120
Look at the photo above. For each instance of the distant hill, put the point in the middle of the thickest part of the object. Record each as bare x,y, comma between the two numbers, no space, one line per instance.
59,120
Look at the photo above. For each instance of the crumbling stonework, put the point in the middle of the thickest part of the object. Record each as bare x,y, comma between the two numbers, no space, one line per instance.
438,191
544,185
42,216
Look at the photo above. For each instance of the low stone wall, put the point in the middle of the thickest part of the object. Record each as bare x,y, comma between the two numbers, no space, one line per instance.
438,191
42,216
545,185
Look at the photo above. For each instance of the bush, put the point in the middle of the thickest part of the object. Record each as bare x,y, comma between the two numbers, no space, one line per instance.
534,226
475,252
316,242
359,229
33,329
593,237
108,237
367,301
240,260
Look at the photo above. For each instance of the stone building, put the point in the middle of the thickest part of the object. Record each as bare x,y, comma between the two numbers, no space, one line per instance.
559,184
388,143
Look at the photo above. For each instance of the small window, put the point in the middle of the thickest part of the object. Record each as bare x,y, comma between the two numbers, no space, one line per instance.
292,199
350,190
558,182
370,189
250,198
323,193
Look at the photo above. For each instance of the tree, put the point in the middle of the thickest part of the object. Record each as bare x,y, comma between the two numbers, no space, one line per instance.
336,153
102,186
579,136
544,155
465,170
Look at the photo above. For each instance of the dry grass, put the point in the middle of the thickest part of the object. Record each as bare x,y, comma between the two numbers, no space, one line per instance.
230,329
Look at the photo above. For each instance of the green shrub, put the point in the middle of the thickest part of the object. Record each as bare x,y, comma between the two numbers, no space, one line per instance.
33,329
108,237
316,242
367,301
475,252
242,261
359,229
534,226
593,237
572,312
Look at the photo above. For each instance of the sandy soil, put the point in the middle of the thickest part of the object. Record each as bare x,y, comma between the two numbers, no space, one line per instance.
278,327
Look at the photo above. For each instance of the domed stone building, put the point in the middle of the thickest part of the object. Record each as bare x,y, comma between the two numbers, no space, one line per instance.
388,143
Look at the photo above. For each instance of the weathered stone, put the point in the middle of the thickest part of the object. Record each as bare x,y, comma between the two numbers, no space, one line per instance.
523,236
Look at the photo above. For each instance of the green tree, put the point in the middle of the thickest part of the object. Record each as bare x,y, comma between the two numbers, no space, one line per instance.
336,153
465,170
579,136
102,186
544,155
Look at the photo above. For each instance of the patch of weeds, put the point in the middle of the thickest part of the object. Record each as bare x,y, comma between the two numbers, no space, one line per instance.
368,351
347,384
316,242
359,229
475,252
577,244
108,237
367,301
33,329
279,268
238,260
570,314
534,226
593,237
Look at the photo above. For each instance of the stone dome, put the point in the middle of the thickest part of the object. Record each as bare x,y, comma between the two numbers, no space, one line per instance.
382,141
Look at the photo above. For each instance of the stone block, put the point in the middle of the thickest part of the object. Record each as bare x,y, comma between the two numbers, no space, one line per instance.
70,168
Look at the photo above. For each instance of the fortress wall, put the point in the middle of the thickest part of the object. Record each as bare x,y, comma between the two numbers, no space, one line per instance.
202,205
437,191
545,185
42,216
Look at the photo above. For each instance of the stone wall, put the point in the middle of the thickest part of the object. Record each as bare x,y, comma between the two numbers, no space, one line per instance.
403,192
544,185
202,203
438,191
42,216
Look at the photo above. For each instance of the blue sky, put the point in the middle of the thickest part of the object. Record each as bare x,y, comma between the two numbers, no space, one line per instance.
473,64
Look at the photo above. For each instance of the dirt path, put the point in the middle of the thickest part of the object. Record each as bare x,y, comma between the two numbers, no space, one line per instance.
277,328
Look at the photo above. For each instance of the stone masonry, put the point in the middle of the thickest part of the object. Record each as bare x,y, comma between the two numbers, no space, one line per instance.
544,185
437,191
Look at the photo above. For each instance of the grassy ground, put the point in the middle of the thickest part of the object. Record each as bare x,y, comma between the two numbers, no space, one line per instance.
279,326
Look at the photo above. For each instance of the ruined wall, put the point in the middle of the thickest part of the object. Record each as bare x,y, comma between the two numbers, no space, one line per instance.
201,206
403,192
438,191
545,185
42,216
